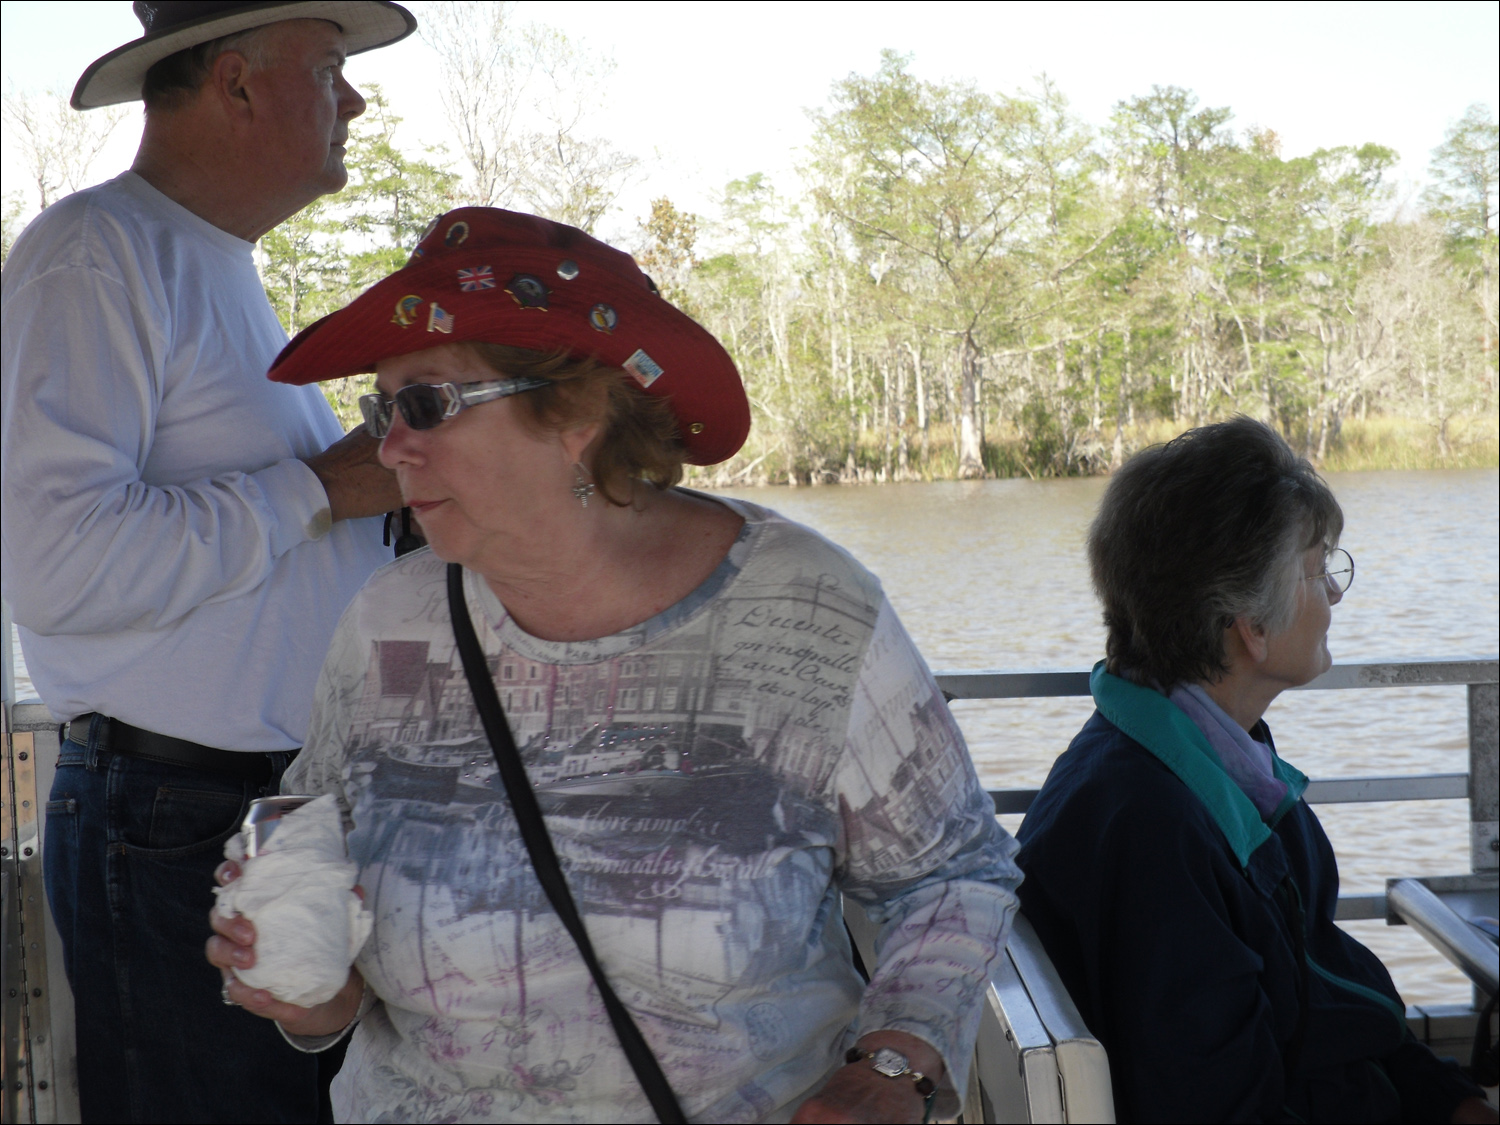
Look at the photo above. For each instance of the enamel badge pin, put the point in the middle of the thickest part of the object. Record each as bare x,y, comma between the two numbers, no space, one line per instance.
528,291
406,310
439,321
642,368
603,318
480,277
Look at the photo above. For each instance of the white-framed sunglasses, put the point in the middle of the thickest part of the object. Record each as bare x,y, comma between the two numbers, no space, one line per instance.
424,405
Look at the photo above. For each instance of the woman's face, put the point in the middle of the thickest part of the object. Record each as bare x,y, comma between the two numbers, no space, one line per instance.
1299,653
482,480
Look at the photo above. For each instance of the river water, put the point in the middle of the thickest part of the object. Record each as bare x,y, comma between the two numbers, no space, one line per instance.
991,574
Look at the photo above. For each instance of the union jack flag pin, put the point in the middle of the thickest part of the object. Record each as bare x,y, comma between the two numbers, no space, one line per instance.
480,277
439,321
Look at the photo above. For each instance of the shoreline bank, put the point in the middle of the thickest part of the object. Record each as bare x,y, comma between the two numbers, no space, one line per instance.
1379,442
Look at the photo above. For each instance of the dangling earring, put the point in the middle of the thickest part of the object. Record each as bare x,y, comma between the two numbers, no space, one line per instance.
583,488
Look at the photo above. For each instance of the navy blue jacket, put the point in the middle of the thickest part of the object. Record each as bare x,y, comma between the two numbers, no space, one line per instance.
1198,940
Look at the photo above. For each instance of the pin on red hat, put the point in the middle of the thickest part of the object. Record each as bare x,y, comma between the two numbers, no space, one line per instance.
501,277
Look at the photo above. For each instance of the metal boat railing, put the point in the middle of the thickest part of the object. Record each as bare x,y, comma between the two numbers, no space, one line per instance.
38,1066
1480,785
1036,1061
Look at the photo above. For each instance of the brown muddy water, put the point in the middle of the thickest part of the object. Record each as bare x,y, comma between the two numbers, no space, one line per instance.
991,574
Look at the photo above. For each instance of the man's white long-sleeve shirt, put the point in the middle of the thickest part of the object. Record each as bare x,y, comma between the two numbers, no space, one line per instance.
167,556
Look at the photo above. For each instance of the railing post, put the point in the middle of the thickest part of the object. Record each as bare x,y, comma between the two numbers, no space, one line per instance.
37,1061
1484,777
7,657
16,1091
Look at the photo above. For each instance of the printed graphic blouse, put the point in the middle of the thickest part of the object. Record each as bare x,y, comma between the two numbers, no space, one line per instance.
713,780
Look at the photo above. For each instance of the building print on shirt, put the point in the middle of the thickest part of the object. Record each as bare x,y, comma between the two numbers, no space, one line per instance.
702,781
626,726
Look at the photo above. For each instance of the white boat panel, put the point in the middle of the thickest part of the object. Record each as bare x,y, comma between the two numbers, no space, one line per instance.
1082,1064
1015,1057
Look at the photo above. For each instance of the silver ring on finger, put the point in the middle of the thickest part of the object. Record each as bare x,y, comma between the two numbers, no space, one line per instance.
224,993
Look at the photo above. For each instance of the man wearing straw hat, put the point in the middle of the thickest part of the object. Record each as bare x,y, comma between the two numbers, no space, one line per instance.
180,536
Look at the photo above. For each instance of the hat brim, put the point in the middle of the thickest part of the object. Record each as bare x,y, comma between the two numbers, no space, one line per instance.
117,76
396,316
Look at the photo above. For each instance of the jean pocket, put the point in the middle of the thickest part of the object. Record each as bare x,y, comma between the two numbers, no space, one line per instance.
60,860
72,755
187,819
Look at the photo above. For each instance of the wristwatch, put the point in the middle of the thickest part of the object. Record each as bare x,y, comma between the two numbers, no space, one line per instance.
893,1064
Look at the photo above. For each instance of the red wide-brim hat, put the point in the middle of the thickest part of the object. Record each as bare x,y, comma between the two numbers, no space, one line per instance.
500,277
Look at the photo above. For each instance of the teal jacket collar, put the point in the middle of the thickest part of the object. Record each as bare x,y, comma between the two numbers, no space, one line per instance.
1159,725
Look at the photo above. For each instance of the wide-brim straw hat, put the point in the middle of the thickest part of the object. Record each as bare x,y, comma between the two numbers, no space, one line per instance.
501,277
176,25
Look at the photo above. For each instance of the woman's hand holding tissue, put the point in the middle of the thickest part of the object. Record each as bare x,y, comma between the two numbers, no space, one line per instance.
233,947
290,922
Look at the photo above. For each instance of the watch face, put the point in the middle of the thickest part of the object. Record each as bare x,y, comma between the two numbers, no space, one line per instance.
890,1063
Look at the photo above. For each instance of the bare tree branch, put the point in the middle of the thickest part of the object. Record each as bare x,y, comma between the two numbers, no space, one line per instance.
486,65
58,143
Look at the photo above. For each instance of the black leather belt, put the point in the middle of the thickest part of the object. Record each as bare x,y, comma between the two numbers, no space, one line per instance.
133,742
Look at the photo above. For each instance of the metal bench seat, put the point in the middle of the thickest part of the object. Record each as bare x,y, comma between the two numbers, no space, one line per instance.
1034,1060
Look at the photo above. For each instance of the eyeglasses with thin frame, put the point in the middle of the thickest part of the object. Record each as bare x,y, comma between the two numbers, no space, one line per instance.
1338,570
425,405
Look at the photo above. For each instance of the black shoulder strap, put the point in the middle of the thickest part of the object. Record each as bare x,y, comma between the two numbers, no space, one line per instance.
549,872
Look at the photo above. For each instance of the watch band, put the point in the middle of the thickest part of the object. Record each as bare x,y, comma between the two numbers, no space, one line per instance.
924,1085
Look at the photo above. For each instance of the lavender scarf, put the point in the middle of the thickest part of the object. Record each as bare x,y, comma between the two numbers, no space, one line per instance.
1246,761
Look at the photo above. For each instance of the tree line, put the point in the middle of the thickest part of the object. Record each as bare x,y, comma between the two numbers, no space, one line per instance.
961,283
971,284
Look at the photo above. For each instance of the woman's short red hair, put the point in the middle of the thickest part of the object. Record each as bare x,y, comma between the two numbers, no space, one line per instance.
639,439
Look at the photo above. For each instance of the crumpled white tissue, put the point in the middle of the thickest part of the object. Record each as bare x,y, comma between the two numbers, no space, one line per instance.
299,893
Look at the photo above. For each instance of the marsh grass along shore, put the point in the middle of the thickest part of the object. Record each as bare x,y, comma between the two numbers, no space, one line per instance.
1468,441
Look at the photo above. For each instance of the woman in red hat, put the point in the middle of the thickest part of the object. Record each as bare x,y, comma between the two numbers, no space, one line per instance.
610,751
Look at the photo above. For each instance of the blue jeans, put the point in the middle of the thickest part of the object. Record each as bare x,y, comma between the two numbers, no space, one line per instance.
129,856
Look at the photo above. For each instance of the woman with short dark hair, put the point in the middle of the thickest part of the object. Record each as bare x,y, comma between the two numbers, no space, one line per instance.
1183,888
1197,533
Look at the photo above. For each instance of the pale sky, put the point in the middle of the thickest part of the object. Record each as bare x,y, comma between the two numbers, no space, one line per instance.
705,93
